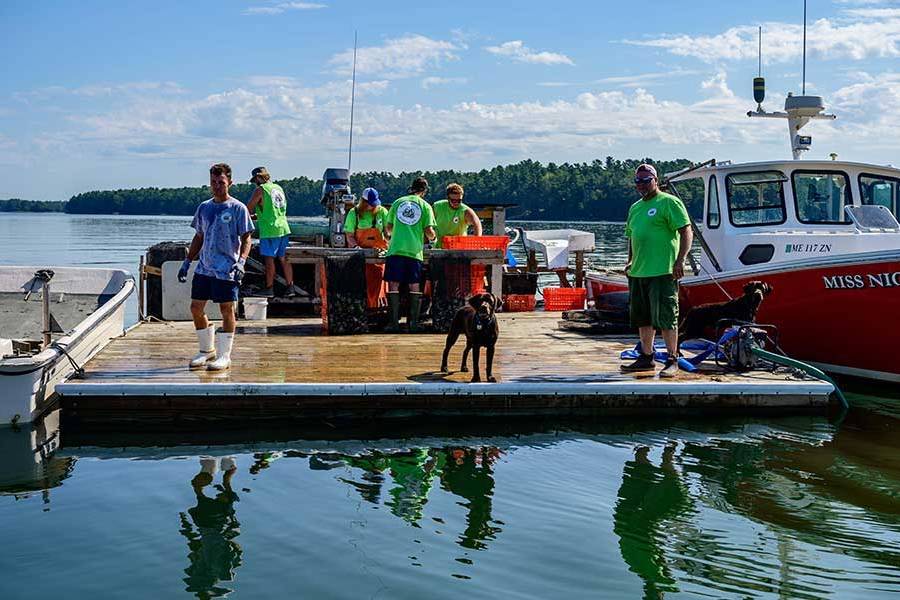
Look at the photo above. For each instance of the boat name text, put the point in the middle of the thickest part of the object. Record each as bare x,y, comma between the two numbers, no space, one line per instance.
869,280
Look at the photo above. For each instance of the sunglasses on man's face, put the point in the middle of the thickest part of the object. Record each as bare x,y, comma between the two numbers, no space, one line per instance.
644,179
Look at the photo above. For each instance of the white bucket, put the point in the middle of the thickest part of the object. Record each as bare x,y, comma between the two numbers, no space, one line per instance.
255,308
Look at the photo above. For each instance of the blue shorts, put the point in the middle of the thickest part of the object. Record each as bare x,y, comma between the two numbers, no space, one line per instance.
402,269
204,287
274,246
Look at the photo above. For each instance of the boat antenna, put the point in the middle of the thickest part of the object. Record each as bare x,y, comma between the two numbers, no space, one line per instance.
352,103
803,92
759,72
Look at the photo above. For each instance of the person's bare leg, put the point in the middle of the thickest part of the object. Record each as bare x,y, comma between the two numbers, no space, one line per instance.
198,313
270,271
647,333
288,270
229,322
670,336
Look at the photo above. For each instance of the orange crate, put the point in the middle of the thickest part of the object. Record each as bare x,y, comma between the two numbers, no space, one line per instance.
556,298
472,242
518,303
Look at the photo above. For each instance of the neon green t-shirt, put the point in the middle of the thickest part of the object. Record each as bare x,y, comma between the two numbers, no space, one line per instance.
367,220
449,221
652,227
409,216
271,213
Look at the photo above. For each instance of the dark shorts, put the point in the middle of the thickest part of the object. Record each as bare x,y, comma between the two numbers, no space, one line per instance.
402,269
653,301
204,287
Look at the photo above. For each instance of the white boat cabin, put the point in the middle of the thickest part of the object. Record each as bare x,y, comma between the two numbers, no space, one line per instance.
779,211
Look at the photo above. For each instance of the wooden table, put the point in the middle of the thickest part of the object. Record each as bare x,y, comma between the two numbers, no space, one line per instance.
315,255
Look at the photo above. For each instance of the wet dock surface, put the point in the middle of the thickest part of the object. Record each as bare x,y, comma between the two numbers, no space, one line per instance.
283,366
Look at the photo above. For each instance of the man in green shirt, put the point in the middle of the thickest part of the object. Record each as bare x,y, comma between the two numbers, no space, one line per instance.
409,222
269,206
659,237
452,217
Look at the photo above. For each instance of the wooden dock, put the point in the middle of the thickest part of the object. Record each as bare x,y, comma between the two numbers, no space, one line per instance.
285,368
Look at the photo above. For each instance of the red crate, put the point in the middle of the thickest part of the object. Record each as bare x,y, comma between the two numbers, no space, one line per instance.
475,242
518,303
556,298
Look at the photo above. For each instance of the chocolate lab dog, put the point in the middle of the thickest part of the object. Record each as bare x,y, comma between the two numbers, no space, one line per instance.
479,323
706,316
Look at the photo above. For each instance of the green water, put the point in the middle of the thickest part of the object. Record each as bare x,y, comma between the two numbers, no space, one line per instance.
801,507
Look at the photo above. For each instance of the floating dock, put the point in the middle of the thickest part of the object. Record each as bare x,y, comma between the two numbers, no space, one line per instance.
285,368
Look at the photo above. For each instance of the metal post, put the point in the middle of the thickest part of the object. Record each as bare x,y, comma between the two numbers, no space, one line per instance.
45,315
141,281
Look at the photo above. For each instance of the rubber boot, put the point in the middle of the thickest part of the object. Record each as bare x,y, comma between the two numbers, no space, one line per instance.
224,343
415,306
207,352
393,299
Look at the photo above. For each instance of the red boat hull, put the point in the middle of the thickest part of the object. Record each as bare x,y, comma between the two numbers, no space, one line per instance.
844,317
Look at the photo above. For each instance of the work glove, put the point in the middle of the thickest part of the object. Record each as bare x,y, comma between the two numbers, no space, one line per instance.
239,269
183,271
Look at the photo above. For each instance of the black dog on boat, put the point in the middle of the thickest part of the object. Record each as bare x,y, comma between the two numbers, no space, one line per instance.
479,323
706,316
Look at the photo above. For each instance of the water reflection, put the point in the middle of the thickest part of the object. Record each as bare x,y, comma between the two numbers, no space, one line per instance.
649,498
28,461
210,528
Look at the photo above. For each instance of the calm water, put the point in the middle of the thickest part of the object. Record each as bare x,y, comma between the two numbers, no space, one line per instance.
789,508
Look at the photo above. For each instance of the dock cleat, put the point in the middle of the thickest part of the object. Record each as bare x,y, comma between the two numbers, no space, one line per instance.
207,351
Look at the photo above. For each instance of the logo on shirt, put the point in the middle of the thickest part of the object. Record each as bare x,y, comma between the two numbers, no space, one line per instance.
278,200
456,220
651,212
409,213
226,217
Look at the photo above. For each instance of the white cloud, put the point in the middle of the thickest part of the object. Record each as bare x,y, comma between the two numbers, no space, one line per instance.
277,9
398,58
517,50
853,39
430,82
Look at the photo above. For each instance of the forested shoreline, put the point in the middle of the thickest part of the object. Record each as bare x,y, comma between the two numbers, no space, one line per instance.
600,190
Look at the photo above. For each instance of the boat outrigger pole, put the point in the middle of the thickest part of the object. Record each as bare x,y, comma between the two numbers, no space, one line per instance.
798,110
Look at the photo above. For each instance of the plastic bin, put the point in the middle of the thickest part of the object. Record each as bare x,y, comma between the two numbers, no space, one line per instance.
255,308
518,302
556,298
475,242
476,272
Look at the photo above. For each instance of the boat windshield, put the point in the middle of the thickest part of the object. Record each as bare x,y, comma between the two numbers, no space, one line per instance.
880,191
756,198
820,196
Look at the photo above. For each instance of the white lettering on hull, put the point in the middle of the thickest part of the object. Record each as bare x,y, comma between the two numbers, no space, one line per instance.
858,281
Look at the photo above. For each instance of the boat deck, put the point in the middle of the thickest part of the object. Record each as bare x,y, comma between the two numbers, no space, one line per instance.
285,367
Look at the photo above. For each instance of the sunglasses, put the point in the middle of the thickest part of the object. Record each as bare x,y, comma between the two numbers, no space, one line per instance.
647,179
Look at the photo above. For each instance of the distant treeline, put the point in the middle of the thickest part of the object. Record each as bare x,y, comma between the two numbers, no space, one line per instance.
19,205
596,191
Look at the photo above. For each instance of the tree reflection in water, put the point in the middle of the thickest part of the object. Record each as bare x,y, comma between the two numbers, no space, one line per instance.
211,531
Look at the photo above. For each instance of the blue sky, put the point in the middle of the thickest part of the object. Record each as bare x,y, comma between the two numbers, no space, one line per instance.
105,95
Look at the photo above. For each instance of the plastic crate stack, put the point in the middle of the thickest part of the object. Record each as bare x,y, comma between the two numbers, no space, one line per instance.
472,242
559,299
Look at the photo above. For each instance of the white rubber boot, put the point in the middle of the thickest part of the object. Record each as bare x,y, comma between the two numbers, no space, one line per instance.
224,342
207,351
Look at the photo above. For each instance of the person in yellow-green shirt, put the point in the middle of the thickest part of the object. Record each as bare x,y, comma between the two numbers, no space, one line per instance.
268,204
659,238
452,217
410,221
364,227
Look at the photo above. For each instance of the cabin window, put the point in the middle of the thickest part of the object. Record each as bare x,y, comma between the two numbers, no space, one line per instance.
881,191
756,198
820,196
712,205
